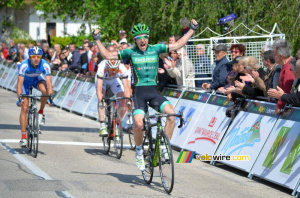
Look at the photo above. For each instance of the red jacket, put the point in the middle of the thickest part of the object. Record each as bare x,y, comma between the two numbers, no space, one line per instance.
286,80
5,53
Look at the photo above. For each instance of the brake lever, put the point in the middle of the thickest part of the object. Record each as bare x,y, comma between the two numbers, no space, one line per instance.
181,120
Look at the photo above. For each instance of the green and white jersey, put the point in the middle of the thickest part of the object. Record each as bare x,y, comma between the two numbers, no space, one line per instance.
144,64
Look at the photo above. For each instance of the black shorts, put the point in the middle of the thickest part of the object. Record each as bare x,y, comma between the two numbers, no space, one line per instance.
144,94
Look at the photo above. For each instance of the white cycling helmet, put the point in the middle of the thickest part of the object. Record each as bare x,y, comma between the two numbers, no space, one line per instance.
113,66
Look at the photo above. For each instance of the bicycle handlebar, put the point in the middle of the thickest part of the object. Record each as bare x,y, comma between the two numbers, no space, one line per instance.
34,96
115,98
179,115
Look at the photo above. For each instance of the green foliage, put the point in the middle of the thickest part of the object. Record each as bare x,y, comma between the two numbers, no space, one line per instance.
63,41
25,41
20,34
162,16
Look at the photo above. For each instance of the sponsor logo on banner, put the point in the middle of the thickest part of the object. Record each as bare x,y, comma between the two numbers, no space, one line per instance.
75,88
292,157
207,135
212,122
280,139
64,90
187,119
245,138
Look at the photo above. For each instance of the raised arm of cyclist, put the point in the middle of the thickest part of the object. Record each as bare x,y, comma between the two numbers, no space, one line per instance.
177,45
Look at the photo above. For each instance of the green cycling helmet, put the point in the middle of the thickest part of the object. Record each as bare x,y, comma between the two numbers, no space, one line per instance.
140,29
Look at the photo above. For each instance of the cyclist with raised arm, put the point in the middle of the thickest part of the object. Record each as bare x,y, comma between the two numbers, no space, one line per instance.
144,58
35,72
111,72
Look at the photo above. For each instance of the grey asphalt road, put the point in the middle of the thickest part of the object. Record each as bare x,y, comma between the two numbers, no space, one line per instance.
71,163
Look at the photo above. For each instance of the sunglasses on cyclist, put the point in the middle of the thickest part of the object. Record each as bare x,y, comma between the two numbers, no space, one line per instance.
235,52
36,56
115,69
141,37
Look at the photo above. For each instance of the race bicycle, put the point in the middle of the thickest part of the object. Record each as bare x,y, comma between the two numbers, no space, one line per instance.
33,127
114,125
158,151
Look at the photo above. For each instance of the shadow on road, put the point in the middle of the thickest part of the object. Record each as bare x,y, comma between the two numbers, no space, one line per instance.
134,180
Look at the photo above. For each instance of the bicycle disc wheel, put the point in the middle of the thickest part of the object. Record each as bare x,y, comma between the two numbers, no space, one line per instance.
166,164
118,136
35,134
131,138
148,158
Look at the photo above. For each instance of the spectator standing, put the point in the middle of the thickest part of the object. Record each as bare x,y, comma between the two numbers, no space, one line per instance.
73,62
282,55
294,96
185,24
202,65
122,35
220,71
175,69
46,55
4,50
13,56
172,39
25,50
84,58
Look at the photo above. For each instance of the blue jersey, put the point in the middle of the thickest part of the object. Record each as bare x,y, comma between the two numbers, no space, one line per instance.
33,76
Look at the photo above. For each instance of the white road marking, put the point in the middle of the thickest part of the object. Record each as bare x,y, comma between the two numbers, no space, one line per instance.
62,143
31,166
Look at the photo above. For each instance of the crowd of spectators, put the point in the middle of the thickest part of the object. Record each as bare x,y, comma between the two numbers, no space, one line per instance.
277,78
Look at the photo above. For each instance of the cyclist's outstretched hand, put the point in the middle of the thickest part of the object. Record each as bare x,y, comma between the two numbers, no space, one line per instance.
194,24
96,34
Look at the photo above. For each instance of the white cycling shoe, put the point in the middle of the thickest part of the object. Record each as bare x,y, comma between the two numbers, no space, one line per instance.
23,143
139,161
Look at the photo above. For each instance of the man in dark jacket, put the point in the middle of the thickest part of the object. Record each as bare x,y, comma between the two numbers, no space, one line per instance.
220,71
73,58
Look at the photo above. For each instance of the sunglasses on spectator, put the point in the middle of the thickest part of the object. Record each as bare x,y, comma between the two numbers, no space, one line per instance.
235,52
141,37
64,52
115,69
36,56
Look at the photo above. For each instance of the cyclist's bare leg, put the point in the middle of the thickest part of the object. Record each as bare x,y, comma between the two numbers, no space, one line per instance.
42,87
101,111
138,133
23,114
122,108
170,124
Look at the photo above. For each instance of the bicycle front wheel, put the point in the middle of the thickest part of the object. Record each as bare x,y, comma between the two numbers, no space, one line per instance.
148,151
118,136
29,131
166,163
35,133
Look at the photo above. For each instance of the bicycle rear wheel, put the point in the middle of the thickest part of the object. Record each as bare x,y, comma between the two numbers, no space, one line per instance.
35,133
118,136
148,158
131,138
166,164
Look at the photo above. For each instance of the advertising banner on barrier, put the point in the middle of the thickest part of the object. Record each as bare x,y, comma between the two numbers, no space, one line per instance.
85,96
60,96
13,83
92,109
279,160
12,79
73,93
58,82
248,133
191,104
210,126
9,76
2,70
4,74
